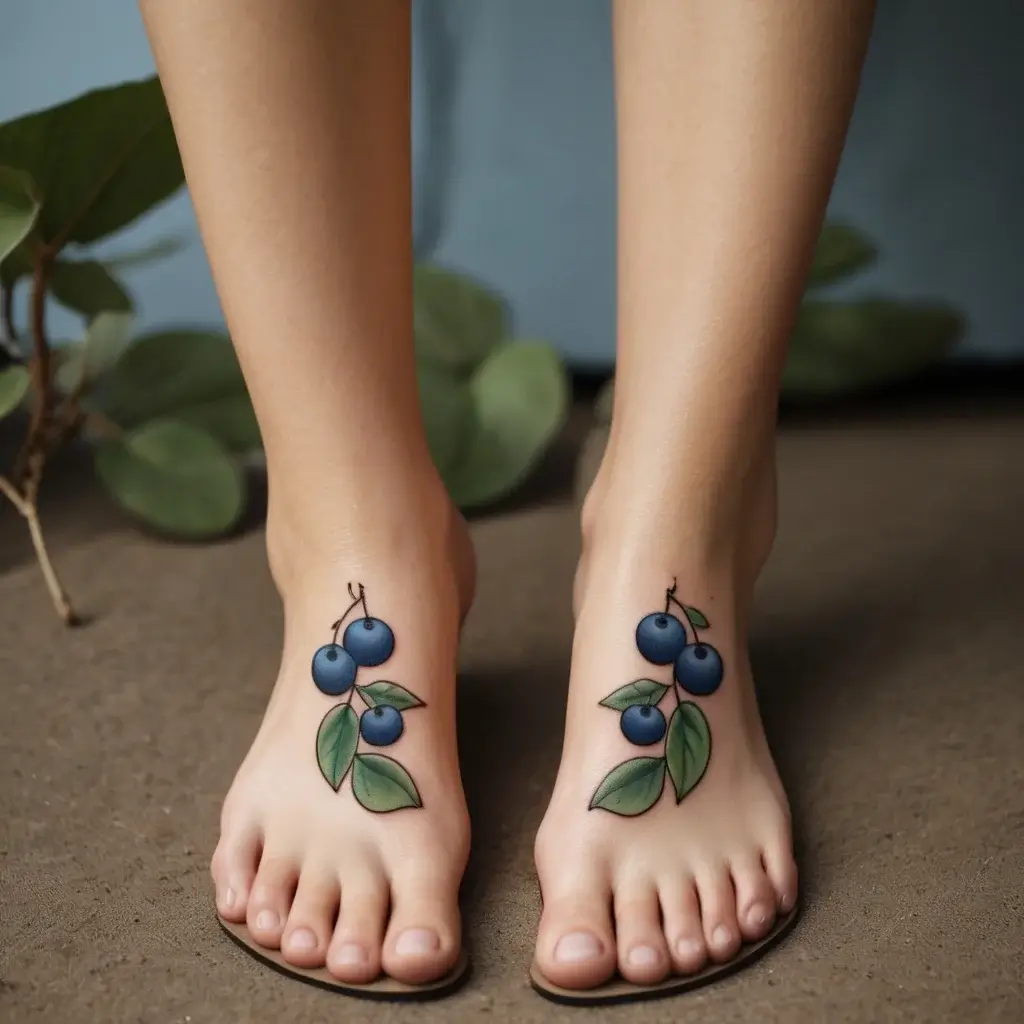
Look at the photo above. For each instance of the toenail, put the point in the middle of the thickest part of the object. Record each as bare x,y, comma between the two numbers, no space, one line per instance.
417,942
786,902
721,936
350,955
757,914
229,899
302,938
576,947
266,920
690,949
644,956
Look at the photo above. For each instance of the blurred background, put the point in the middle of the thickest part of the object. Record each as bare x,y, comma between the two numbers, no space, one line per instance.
515,172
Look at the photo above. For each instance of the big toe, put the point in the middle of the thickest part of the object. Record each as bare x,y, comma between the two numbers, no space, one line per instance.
575,943
424,934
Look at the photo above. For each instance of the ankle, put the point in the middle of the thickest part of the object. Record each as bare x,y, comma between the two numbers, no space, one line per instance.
721,525
328,527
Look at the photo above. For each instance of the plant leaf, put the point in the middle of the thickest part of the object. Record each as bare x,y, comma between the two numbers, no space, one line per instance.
87,287
521,397
457,321
841,251
161,249
336,742
171,372
105,340
230,419
632,787
449,415
385,694
19,209
14,383
175,476
842,347
381,784
640,691
687,747
98,161
697,618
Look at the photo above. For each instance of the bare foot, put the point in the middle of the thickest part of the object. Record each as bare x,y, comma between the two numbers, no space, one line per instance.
684,852
328,851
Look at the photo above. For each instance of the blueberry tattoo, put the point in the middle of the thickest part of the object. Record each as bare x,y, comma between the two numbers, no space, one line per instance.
635,786
379,783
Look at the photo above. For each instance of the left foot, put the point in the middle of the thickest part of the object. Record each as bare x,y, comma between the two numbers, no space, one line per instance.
644,883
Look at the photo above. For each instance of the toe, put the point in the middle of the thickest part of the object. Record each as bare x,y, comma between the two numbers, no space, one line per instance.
718,913
680,910
781,870
354,955
643,958
233,868
270,899
755,897
424,935
311,918
575,944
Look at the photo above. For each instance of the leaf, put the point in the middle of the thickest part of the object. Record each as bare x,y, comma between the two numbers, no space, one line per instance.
87,287
687,747
14,383
161,249
641,691
175,476
171,372
632,787
98,161
19,209
383,693
336,742
697,618
381,784
105,339
457,322
521,397
841,251
842,347
230,419
449,415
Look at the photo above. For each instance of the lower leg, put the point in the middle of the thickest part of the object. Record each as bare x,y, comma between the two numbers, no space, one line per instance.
731,121
293,122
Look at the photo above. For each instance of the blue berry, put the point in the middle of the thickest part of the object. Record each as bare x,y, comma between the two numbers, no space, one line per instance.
660,637
381,726
699,669
369,641
642,724
334,671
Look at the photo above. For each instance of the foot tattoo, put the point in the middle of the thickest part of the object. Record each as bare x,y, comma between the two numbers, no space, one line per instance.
633,787
379,783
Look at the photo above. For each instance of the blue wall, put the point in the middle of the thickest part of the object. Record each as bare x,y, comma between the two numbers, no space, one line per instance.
514,155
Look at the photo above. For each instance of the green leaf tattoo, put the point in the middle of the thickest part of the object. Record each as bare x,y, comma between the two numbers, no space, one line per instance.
641,691
381,784
385,694
336,743
687,748
669,638
632,787
697,618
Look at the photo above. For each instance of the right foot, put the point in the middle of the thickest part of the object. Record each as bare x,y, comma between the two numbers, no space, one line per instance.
310,870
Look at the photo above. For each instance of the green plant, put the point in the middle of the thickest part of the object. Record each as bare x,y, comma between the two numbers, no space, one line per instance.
842,346
167,414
